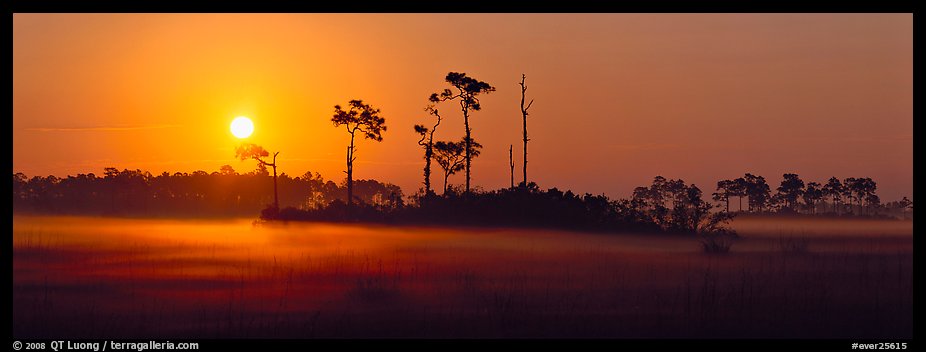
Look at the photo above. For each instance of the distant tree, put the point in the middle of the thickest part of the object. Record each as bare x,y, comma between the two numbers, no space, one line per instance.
738,188
812,194
227,170
641,196
524,118
868,188
873,203
451,157
428,133
467,91
659,194
724,191
379,194
758,192
689,213
365,119
310,176
657,191
790,190
111,177
19,187
834,189
247,151
904,204
850,190
859,190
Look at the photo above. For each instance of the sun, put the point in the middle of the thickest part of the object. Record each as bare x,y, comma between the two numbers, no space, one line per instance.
242,127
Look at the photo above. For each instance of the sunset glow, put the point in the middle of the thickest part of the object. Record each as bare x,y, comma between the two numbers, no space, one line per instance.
242,127
285,177
699,96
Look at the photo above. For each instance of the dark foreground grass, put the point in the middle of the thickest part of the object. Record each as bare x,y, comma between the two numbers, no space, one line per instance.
96,278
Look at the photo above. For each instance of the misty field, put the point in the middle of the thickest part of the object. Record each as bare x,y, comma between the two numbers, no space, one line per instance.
785,278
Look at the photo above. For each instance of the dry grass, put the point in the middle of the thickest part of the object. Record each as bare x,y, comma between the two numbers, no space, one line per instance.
93,278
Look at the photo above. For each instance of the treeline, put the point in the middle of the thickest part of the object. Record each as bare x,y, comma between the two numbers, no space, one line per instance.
223,193
310,197
853,196
665,205
529,206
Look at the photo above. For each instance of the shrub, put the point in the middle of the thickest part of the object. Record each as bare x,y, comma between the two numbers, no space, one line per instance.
716,243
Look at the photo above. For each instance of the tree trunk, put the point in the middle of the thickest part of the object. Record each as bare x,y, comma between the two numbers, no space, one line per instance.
524,116
446,176
276,199
511,163
350,173
468,157
427,169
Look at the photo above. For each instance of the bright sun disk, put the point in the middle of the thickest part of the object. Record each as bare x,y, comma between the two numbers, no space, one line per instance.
242,127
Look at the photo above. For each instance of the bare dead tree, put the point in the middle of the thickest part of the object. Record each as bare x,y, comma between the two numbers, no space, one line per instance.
511,163
524,115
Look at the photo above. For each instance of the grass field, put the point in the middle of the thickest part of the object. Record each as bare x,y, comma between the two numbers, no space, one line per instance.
785,278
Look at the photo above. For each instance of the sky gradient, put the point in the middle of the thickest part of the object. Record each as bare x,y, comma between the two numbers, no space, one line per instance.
619,98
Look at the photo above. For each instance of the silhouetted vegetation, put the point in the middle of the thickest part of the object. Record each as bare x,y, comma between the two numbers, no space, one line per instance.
850,197
365,119
251,151
524,120
511,164
468,90
223,193
450,156
666,205
428,133
520,206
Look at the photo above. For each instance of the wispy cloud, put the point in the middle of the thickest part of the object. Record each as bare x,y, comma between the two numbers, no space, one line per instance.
99,128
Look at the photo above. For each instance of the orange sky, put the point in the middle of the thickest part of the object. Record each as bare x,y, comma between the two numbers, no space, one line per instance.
620,98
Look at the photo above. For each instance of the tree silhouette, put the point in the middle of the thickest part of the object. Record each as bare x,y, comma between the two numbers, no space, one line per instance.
110,175
851,188
867,188
227,170
834,189
451,156
524,116
724,191
738,188
758,192
688,214
468,89
904,204
790,190
811,195
511,164
247,151
428,146
365,119
873,203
